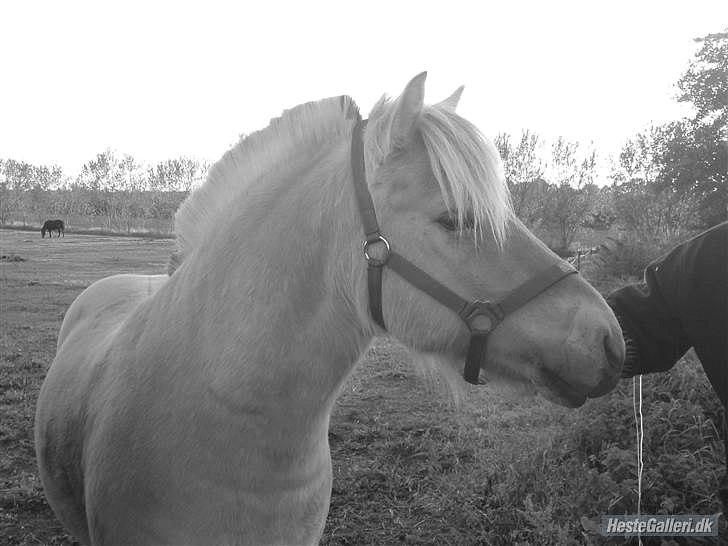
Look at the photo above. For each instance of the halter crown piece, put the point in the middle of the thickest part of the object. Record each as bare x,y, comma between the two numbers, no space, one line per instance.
481,317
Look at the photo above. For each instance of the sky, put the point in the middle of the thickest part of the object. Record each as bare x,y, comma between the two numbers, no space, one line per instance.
159,79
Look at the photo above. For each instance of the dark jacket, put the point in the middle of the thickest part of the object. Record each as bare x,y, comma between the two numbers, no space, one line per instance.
682,303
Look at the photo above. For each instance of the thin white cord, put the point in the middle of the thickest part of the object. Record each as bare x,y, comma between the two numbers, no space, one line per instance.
640,429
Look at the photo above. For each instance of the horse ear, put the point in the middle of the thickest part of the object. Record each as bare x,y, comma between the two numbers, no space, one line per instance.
409,106
451,103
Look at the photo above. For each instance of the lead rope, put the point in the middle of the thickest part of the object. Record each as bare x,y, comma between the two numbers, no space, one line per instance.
640,430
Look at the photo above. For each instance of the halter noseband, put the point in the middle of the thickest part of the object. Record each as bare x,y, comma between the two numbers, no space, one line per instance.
481,317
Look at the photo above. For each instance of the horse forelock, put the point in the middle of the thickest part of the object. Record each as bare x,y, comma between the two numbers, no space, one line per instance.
465,164
300,128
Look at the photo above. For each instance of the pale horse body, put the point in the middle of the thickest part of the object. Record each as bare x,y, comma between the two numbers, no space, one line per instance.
194,408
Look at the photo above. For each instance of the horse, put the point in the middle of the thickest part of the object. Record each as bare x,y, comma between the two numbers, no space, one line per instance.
193,407
53,225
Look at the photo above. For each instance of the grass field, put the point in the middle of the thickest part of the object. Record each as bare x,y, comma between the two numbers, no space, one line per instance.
409,468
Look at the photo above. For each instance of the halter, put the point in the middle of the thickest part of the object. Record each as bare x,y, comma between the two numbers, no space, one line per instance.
481,317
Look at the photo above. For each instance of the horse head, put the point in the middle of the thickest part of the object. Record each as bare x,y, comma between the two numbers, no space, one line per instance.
439,192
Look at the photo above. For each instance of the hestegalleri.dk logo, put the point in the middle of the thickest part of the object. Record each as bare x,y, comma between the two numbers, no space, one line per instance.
625,526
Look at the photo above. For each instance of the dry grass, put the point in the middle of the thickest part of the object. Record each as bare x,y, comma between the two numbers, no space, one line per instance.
408,467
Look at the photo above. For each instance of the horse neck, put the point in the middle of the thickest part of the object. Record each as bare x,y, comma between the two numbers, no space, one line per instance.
281,290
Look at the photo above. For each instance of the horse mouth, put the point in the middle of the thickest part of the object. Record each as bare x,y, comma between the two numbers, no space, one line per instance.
556,390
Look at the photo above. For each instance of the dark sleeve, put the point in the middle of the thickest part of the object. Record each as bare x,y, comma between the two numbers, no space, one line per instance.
650,323
682,302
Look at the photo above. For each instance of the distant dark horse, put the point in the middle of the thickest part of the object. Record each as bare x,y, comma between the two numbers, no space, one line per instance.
53,225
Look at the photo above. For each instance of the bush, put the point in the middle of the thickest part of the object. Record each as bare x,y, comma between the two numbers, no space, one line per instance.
592,466
628,255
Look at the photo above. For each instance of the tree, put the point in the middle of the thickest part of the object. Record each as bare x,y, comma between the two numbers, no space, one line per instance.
567,204
652,209
96,174
694,160
524,171
170,181
17,181
6,195
678,172
129,198
179,174
705,83
602,214
105,178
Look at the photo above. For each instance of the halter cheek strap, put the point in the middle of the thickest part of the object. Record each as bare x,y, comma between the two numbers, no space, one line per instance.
481,317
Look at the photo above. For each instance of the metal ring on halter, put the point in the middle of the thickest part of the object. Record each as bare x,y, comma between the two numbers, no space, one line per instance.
482,316
377,262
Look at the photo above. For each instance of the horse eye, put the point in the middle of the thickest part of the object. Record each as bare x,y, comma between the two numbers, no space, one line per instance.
450,222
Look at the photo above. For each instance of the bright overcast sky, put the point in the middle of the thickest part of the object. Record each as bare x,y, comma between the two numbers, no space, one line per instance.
163,79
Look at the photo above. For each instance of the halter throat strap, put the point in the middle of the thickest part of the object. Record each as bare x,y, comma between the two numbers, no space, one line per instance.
481,317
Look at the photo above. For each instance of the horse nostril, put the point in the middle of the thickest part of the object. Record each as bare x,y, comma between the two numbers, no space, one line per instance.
614,349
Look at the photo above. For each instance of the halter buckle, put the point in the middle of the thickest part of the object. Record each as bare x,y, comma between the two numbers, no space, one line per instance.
371,260
482,316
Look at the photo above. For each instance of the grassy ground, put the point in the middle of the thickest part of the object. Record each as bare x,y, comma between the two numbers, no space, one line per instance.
409,468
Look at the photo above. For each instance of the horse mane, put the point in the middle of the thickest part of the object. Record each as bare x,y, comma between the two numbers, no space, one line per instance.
466,165
306,125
